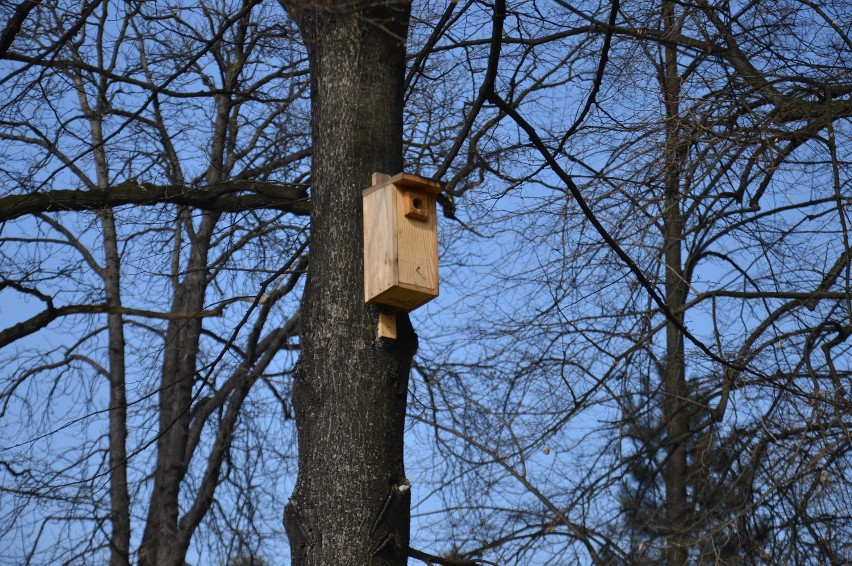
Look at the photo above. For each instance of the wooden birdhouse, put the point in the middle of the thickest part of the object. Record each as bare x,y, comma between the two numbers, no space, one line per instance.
400,241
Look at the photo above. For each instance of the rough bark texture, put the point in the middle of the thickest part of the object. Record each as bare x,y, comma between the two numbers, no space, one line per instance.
351,501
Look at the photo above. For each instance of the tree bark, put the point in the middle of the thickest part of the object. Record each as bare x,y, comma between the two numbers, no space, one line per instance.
161,543
119,493
228,196
675,395
117,375
351,500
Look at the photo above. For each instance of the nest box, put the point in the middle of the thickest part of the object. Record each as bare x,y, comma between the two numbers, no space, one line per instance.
400,241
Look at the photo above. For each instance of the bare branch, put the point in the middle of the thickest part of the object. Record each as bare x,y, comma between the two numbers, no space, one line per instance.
228,196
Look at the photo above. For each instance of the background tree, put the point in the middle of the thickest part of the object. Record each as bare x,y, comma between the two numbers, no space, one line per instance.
132,369
654,380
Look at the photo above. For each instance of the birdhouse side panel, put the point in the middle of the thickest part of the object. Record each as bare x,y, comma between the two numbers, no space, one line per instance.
381,265
418,246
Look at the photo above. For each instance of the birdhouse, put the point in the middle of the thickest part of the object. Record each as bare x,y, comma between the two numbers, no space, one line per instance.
400,241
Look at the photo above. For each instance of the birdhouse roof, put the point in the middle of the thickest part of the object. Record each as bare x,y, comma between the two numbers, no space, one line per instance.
416,182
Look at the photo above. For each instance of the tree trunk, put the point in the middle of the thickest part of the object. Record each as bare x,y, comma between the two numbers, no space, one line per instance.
165,540
119,494
162,543
675,395
111,276
351,500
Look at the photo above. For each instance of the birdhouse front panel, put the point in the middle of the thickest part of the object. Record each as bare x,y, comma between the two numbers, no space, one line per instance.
400,241
417,242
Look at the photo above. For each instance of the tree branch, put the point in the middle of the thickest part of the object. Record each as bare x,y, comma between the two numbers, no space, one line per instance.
228,196
14,25
432,559
42,319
